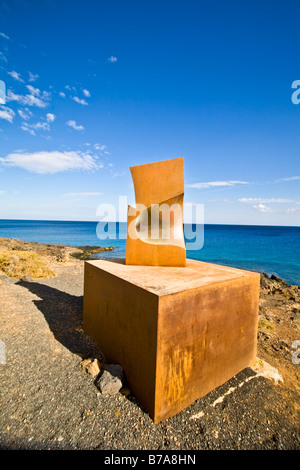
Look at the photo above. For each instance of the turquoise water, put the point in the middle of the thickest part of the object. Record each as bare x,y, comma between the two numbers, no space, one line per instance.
274,250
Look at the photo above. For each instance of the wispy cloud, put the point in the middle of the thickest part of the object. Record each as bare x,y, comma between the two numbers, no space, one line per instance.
29,99
33,91
112,59
74,125
31,128
7,114
3,57
290,178
26,114
80,101
43,125
215,184
16,76
262,208
101,148
45,162
82,194
251,200
32,77
4,36
26,128
62,94
86,93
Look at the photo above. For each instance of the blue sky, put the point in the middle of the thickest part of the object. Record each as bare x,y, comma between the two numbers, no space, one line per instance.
93,87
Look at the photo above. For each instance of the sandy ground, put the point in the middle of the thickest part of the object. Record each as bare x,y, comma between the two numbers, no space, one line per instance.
47,401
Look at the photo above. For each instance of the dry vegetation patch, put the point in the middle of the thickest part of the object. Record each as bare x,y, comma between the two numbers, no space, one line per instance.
18,263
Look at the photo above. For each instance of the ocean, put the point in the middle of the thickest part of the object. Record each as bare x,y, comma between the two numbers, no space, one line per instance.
270,249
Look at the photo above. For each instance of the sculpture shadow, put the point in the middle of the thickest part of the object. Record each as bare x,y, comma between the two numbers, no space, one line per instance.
64,315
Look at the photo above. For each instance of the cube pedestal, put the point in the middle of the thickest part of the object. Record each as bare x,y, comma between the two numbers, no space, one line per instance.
178,332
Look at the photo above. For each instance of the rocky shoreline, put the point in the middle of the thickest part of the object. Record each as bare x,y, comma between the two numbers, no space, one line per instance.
49,401
58,253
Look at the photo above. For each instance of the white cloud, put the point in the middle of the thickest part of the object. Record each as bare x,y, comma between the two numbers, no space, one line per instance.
2,57
33,91
16,76
50,117
43,126
252,200
6,113
32,77
82,194
80,101
262,208
63,95
46,95
101,148
86,93
25,127
74,125
291,178
51,162
4,36
27,100
215,184
26,114
68,87
112,59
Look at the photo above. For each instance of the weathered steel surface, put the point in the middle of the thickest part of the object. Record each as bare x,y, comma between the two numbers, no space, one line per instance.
178,332
159,190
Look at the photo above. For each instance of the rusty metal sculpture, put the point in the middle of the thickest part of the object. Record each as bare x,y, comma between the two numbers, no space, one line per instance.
178,327
155,227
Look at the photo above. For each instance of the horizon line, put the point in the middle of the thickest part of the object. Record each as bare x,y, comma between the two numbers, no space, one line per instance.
97,221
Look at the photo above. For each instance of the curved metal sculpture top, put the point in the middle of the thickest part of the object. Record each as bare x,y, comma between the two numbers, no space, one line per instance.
155,227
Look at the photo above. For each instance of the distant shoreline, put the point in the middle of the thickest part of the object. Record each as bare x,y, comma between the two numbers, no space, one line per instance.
61,252
118,222
271,249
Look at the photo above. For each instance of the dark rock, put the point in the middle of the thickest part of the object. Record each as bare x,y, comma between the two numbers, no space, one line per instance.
280,281
111,380
264,280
